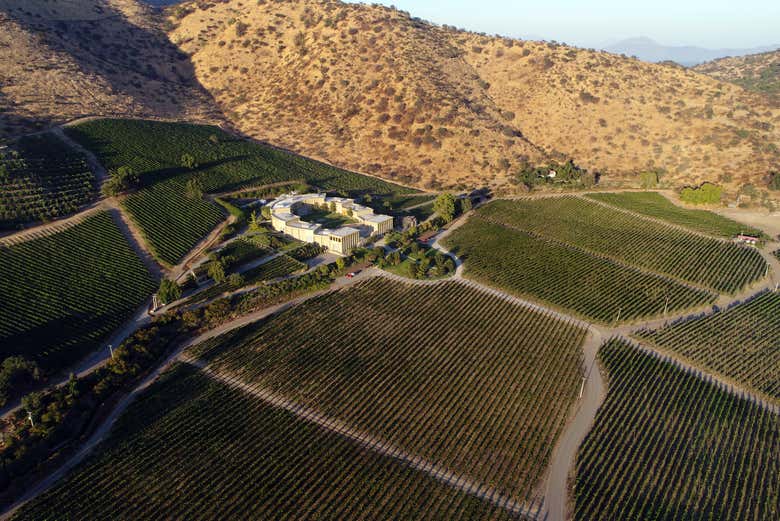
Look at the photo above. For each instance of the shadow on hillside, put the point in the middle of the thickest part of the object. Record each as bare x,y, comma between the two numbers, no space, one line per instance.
135,61
14,124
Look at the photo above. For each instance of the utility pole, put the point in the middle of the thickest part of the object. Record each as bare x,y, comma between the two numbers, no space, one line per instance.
29,416
111,350
582,387
617,320
666,306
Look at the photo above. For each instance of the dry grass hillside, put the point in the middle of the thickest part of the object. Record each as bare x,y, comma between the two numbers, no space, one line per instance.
621,115
372,89
360,86
62,59
756,72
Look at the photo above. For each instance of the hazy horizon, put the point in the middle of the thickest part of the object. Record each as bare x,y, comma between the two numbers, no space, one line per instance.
716,24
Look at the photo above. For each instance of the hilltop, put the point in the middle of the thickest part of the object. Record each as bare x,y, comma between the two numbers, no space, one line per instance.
372,89
757,72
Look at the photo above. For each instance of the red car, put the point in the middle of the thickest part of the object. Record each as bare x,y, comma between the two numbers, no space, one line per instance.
351,275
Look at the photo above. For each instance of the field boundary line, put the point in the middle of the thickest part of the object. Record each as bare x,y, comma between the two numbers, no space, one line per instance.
368,441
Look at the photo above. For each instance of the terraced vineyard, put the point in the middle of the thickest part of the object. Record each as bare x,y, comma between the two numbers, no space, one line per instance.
742,343
593,287
228,455
719,265
656,205
62,294
460,378
173,222
667,445
47,180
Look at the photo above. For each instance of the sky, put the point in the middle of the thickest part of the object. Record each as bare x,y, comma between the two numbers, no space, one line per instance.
712,24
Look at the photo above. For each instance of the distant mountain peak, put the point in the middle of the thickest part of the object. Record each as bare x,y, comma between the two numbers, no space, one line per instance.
647,49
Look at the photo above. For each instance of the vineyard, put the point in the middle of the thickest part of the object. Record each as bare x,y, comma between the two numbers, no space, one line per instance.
668,445
593,287
718,265
742,343
43,180
653,204
173,221
458,377
64,293
280,266
227,455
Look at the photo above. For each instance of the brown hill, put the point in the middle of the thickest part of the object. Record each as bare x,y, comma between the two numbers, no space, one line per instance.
372,89
756,72
62,59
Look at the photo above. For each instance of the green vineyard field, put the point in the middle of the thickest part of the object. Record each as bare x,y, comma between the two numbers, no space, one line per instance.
459,377
277,267
716,264
593,287
47,180
192,448
742,343
172,222
64,293
656,205
668,445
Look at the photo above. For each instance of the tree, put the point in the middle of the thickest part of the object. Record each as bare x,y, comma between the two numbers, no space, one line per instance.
465,205
444,206
216,271
188,161
169,291
265,211
254,223
236,280
120,180
648,180
194,189
340,264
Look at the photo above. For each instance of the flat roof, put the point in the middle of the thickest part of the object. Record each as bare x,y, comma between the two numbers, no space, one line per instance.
344,232
376,218
304,225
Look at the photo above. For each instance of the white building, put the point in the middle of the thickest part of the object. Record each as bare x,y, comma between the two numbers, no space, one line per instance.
285,218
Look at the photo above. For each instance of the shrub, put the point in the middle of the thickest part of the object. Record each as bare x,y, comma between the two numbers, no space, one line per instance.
121,180
169,291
